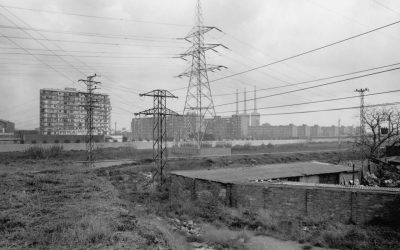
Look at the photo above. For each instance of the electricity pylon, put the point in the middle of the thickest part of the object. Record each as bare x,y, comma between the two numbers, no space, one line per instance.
159,113
90,106
362,126
199,102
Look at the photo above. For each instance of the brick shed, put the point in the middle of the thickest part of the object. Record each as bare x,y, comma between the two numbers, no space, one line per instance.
239,188
307,172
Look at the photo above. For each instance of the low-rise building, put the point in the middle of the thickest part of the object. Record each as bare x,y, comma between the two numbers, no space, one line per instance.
6,127
306,172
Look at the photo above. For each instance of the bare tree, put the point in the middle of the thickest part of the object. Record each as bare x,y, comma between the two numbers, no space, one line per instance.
382,130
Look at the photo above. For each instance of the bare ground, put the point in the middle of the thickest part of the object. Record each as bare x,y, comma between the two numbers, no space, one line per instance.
55,204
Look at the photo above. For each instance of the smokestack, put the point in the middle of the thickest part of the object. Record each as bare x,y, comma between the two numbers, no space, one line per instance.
245,101
237,102
255,101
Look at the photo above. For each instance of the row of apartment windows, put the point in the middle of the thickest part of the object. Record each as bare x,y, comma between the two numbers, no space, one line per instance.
71,103
49,109
46,93
63,124
70,133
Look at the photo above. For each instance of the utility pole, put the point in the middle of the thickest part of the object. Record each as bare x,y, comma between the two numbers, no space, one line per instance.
91,85
199,101
159,113
362,127
339,133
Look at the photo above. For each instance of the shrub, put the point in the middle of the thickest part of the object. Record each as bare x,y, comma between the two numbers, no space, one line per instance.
37,152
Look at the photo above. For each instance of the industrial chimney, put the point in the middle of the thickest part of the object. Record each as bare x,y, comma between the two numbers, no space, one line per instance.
255,116
237,102
255,99
245,101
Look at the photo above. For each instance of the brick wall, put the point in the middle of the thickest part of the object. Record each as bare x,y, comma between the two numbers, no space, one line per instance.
293,200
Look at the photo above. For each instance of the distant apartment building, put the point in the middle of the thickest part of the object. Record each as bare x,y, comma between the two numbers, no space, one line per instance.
235,127
315,131
226,127
332,131
347,130
63,112
255,119
176,129
267,131
303,131
142,128
244,125
6,127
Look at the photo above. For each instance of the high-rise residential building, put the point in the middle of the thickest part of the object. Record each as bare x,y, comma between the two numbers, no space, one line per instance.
267,131
63,112
142,128
303,131
332,131
244,119
315,131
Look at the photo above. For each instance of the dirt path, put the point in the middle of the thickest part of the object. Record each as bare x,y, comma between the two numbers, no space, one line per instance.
265,242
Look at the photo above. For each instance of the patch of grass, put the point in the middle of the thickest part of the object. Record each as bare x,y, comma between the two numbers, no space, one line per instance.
38,152
63,207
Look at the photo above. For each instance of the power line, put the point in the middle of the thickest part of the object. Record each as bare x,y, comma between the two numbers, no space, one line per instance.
307,52
96,17
103,35
333,109
73,56
87,56
98,43
320,101
38,59
315,86
317,80
83,51
386,7
42,44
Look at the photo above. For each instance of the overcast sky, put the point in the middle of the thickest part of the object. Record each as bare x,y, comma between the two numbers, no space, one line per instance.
136,54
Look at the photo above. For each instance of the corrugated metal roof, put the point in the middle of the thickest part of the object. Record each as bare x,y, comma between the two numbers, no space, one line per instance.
272,171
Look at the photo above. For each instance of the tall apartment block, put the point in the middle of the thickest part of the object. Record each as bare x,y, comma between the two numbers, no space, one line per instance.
63,112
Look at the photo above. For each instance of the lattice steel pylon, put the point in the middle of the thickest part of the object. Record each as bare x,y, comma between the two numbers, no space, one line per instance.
362,126
199,102
159,113
90,106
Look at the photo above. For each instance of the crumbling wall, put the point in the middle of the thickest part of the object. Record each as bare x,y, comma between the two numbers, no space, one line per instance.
325,202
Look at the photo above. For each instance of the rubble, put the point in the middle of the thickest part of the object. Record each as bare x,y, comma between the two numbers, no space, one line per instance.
190,229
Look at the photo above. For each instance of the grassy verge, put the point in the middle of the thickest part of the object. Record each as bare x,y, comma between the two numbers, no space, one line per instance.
57,152
270,148
66,208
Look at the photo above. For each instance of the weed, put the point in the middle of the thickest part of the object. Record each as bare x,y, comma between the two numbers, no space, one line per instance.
37,152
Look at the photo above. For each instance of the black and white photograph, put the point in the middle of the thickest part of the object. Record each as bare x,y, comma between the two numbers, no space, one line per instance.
200,124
